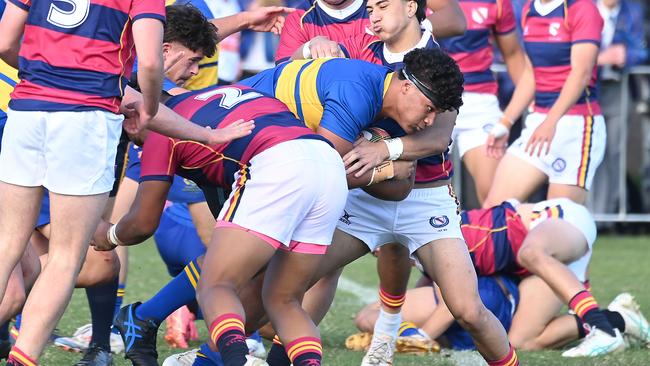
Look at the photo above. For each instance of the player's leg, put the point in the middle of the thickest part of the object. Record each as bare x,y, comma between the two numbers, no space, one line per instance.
448,263
287,278
546,248
227,269
482,168
538,305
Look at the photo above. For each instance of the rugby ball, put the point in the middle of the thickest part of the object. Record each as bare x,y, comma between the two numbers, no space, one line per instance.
374,134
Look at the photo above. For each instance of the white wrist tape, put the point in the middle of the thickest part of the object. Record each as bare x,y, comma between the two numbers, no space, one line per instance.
306,52
499,130
112,236
395,148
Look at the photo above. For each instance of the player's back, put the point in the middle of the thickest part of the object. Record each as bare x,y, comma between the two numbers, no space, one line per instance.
78,57
341,95
317,20
494,236
216,107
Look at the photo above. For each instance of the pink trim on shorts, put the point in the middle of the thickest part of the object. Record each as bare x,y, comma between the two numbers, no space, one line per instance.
305,248
269,240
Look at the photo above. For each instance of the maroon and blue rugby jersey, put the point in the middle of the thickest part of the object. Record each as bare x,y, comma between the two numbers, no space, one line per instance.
494,237
473,50
369,48
77,55
215,165
549,32
303,25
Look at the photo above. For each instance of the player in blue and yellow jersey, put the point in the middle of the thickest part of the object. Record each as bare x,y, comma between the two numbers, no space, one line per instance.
250,166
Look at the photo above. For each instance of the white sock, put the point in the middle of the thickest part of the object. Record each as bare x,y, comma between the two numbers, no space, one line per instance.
388,323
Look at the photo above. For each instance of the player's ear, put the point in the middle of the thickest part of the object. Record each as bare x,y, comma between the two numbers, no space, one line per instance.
166,47
412,8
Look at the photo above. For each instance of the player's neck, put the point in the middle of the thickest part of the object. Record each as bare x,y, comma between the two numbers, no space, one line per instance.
405,40
389,103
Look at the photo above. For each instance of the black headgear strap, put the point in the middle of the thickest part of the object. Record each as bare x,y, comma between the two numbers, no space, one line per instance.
424,89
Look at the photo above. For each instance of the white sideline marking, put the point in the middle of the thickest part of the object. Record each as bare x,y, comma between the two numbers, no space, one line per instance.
364,294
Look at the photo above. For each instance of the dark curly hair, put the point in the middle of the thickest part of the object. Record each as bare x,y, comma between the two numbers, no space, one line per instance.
189,27
421,13
440,75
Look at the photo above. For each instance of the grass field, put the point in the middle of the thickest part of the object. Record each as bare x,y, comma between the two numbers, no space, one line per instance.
619,264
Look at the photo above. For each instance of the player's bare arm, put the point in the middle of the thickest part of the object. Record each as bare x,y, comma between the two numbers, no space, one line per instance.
264,19
148,37
12,25
140,222
431,140
447,19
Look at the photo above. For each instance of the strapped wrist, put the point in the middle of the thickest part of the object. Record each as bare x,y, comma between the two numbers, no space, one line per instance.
306,52
395,148
111,235
382,172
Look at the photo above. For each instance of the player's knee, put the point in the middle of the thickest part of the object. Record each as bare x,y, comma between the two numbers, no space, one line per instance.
524,344
14,299
273,299
472,314
531,256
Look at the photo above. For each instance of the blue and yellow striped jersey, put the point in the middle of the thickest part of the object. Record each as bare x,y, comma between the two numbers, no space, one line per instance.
341,95
8,80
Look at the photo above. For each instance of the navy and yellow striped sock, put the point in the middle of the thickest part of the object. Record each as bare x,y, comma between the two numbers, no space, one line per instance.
305,351
180,291
227,333
277,354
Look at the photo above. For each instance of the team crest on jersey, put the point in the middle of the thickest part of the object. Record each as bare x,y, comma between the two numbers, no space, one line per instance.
439,221
346,217
480,15
554,29
487,128
559,165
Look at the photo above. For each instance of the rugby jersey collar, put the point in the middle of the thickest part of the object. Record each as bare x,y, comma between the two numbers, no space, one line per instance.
395,57
546,9
341,13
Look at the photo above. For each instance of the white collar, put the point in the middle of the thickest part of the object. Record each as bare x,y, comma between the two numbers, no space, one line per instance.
606,12
394,57
546,9
340,13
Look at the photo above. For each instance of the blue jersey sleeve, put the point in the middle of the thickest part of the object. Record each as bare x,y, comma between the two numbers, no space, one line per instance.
349,108
133,162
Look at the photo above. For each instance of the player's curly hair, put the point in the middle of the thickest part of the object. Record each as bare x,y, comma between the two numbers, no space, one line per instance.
189,27
439,73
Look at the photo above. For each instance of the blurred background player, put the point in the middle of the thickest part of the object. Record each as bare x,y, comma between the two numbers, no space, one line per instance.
80,104
489,23
564,139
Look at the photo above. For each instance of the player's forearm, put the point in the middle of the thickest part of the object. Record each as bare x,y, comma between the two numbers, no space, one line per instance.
130,232
230,25
10,56
447,19
391,190
150,77
522,96
573,88
433,140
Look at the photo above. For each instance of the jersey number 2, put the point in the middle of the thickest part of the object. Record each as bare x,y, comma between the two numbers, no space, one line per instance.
69,18
231,96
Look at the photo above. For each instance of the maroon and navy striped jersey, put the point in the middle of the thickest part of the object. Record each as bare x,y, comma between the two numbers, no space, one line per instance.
78,54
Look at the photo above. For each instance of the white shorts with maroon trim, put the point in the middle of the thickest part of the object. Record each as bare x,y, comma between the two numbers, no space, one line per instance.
426,215
479,113
575,214
70,153
293,194
577,149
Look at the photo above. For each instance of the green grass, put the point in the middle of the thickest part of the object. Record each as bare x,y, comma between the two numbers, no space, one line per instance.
619,264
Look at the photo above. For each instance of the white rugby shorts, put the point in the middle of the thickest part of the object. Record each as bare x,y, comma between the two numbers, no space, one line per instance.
479,113
70,153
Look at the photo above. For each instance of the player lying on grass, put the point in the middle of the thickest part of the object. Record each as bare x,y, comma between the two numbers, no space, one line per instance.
553,240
